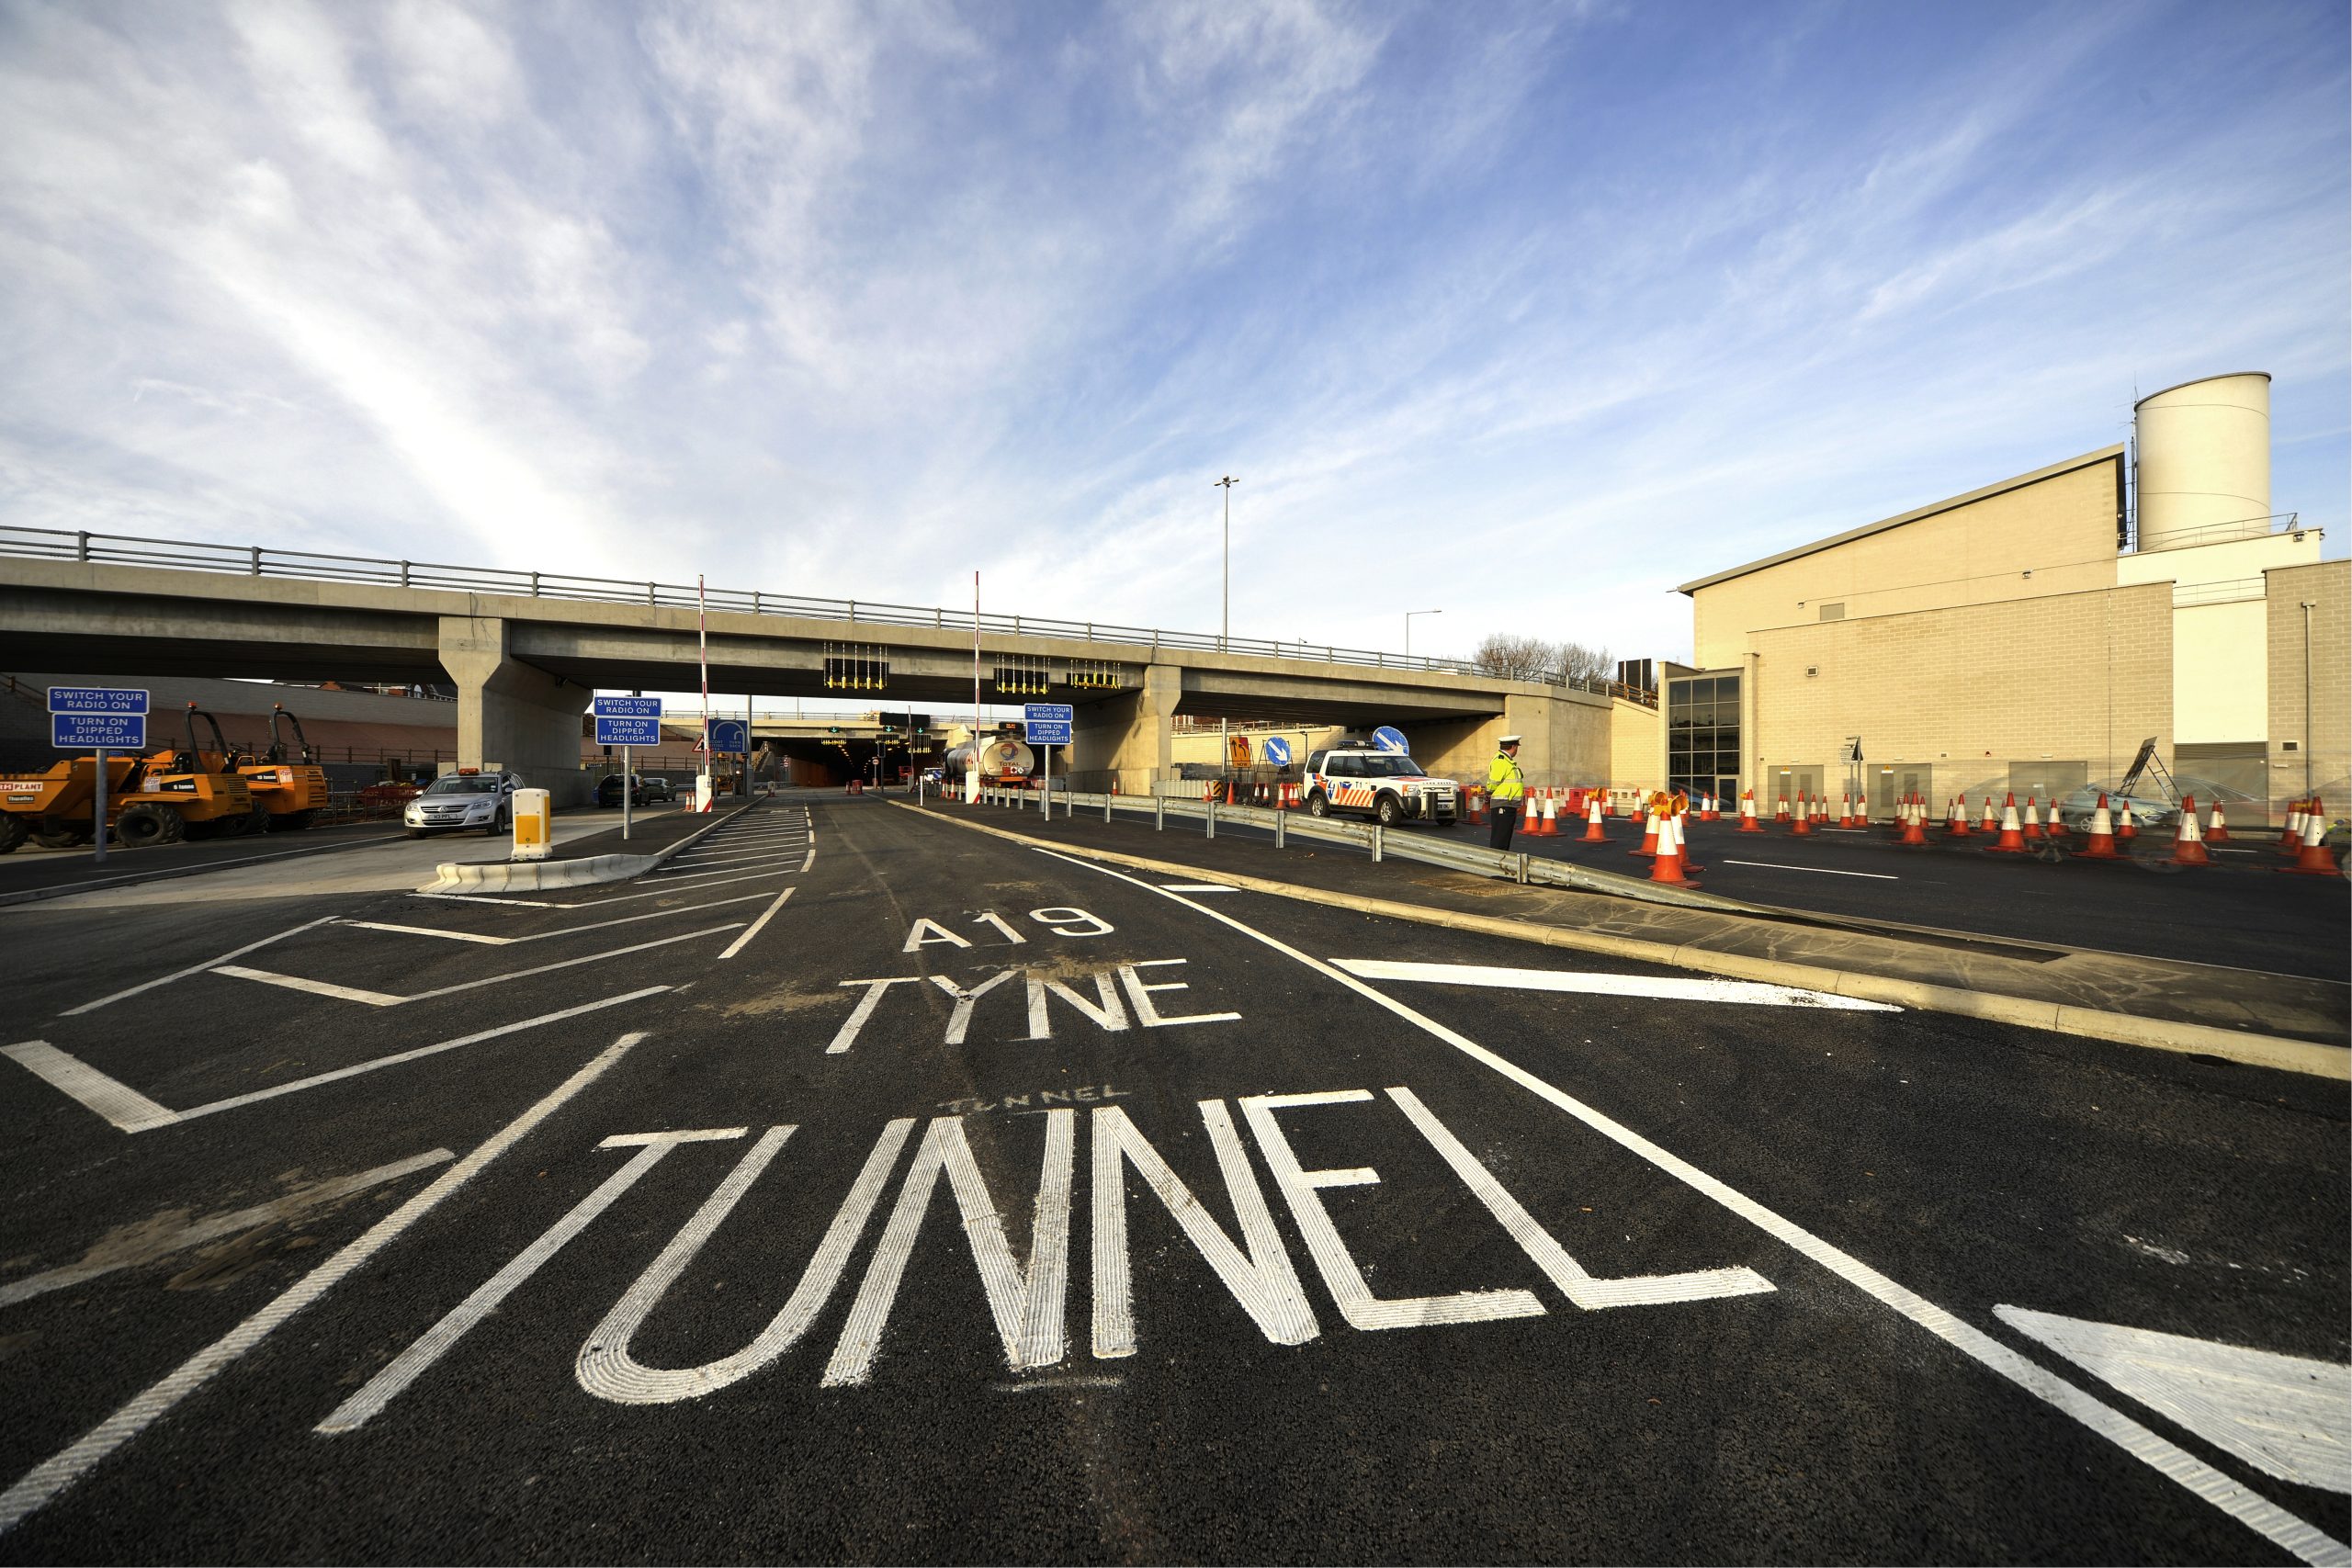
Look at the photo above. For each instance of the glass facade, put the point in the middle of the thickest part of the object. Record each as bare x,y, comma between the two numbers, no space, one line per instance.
1702,737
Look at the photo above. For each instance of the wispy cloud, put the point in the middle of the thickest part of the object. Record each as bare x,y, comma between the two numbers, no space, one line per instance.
1527,312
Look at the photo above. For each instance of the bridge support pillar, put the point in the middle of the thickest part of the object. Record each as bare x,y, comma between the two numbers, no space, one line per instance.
1562,741
512,714
1128,738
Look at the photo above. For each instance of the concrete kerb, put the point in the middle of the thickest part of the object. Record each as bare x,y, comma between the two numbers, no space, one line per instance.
167,873
2122,1029
517,876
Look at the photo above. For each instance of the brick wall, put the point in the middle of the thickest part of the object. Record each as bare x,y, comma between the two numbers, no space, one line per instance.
2061,528
2328,584
1964,691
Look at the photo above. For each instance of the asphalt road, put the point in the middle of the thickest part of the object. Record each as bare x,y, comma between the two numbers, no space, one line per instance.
725,1216
2237,912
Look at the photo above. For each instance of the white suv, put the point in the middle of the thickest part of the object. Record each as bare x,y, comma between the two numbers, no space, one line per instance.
1388,784
458,802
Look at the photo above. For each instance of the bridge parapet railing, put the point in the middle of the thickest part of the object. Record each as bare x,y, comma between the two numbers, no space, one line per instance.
254,560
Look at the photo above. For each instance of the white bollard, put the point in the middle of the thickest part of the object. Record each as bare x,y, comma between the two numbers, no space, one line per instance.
534,834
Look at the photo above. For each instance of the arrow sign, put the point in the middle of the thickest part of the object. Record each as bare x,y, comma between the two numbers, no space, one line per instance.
1278,751
2285,1415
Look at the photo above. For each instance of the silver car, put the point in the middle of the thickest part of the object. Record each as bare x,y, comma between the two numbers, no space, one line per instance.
463,802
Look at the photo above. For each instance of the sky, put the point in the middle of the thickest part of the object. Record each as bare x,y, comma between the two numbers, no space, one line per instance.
1520,313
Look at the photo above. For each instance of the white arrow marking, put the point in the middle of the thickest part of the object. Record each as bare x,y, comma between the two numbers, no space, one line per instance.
2285,1415
1677,987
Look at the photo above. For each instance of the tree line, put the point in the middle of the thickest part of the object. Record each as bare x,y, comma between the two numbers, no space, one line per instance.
1536,659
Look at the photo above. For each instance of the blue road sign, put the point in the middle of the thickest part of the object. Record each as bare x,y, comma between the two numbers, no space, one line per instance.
92,731
628,708
98,699
1047,723
1388,739
731,735
1278,751
628,732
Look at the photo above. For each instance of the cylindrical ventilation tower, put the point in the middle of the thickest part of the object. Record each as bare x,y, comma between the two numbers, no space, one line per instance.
2205,461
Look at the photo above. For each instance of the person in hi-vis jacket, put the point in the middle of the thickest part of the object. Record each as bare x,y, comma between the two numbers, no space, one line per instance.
1506,787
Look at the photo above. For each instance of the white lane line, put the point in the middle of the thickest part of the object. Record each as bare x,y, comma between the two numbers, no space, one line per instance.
485,899
194,968
110,1098
1816,870
753,929
1200,887
811,858
428,931
422,1051
2248,1508
316,988
751,841
569,962
2286,1415
134,1112
743,851
1673,988
732,863
202,1231
629,919
663,891
42,1483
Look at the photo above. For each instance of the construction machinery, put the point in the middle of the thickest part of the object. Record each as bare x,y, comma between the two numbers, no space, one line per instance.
291,791
184,792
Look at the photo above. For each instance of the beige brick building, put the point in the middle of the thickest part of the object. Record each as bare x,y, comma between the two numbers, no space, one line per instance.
2030,634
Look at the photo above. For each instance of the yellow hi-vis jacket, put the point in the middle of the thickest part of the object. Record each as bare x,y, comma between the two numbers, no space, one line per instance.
1504,781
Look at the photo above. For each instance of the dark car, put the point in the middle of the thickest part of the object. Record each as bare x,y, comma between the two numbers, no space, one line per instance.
653,787
609,791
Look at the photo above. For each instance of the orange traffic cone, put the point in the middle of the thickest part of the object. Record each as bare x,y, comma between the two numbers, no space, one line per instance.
1915,826
1714,813
2217,831
2126,827
2312,859
2012,838
1747,823
1592,833
1992,823
2290,838
2101,844
1803,825
2054,826
1682,843
1846,810
1781,811
1649,835
2032,818
1668,867
1958,827
2188,844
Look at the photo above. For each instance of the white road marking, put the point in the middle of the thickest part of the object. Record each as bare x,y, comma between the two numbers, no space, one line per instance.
485,899
316,988
428,931
202,1231
194,968
605,1367
110,1098
1816,870
570,962
1674,987
1200,887
753,929
436,1341
45,1481
628,919
846,1037
2250,1508
734,862
2286,1415
134,1112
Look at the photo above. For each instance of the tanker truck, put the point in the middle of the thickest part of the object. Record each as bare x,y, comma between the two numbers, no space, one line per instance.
1003,760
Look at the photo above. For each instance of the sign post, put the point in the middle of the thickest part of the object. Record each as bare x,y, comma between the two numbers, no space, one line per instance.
1046,725
625,722
104,718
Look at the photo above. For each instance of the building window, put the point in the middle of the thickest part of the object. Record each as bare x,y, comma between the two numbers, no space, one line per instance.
1702,733
1833,611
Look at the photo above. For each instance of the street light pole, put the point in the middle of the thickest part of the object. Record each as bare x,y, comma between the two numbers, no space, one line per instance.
1225,619
1408,627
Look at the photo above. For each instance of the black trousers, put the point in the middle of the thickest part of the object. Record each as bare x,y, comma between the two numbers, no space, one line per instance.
1502,819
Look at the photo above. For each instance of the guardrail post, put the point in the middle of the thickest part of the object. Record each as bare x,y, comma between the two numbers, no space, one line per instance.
254,569
649,594
755,601
853,609
81,546
404,574
1106,805
1212,828
1158,811
1523,868
535,585
1279,815
1376,844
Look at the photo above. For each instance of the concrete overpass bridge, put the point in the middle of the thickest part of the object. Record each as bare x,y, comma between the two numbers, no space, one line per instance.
526,651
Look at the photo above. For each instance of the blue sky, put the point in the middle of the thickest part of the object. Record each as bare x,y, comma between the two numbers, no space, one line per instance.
1524,313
